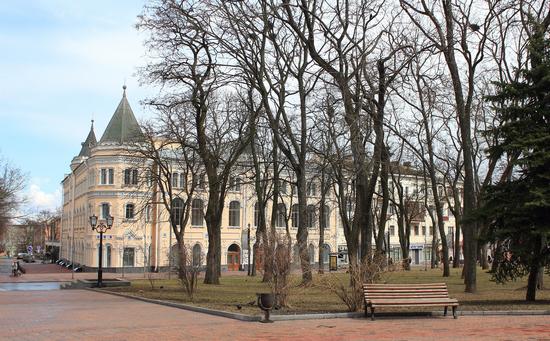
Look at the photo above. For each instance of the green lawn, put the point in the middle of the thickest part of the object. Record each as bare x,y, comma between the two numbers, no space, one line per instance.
240,290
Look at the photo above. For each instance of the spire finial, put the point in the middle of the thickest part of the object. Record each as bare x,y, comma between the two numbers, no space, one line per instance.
124,89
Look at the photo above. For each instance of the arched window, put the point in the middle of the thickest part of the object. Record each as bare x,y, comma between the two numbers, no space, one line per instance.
234,214
197,255
295,215
256,214
324,221
281,215
177,211
310,217
326,253
197,212
148,213
129,211
108,250
311,253
296,254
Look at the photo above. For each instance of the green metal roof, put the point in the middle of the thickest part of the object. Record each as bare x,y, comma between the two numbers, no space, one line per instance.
123,127
89,143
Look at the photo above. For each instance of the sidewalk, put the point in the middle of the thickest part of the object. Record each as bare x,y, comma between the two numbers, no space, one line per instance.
87,315
37,272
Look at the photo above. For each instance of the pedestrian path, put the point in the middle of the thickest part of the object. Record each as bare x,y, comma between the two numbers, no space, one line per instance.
88,315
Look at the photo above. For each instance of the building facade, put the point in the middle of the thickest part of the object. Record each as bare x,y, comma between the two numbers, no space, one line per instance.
104,181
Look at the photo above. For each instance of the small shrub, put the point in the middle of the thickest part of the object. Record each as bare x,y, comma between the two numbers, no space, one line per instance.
351,292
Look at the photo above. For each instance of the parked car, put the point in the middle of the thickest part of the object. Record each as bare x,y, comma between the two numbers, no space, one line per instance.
21,255
28,258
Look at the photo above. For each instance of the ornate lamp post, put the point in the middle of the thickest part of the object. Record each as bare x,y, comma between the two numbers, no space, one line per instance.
102,227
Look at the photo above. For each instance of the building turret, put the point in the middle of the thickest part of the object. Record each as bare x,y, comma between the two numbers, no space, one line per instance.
123,127
85,151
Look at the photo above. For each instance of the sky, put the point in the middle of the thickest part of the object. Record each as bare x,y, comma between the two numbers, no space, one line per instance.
63,62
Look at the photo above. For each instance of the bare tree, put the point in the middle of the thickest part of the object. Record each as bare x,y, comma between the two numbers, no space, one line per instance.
186,61
12,182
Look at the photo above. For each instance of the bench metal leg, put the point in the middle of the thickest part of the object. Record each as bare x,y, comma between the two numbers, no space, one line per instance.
372,313
455,316
445,311
366,310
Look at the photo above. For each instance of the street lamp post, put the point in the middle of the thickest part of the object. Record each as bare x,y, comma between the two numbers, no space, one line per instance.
102,227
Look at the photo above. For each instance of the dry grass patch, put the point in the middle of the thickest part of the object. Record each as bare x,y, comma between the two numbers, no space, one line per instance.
240,291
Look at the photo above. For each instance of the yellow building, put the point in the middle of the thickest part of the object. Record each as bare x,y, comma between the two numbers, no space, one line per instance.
104,181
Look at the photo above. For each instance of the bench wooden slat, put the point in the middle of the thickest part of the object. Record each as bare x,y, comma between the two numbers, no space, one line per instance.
412,300
407,295
405,291
406,285
411,295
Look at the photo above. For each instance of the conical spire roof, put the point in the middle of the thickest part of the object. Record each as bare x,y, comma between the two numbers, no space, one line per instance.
89,143
123,127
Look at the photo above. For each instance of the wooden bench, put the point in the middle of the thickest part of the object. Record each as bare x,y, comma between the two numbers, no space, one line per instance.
408,295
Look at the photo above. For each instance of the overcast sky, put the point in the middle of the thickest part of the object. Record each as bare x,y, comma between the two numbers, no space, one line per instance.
62,62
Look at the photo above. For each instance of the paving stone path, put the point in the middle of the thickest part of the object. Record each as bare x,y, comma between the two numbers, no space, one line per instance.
87,315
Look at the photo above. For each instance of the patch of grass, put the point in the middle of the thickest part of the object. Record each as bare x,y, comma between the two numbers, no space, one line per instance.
241,290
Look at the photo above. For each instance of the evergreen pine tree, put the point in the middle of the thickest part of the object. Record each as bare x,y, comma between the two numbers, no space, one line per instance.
518,210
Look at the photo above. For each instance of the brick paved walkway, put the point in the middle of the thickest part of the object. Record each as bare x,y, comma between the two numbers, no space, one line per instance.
86,315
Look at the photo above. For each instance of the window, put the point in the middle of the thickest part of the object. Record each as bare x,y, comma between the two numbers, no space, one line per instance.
325,222
392,230
129,211
177,211
281,215
147,213
256,214
311,189
149,178
104,210
197,255
234,214
235,184
311,250
199,181
128,257
108,251
130,176
283,187
106,176
197,212
416,231
450,230
423,230
182,180
406,191
310,216
175,177
295,215
431,230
